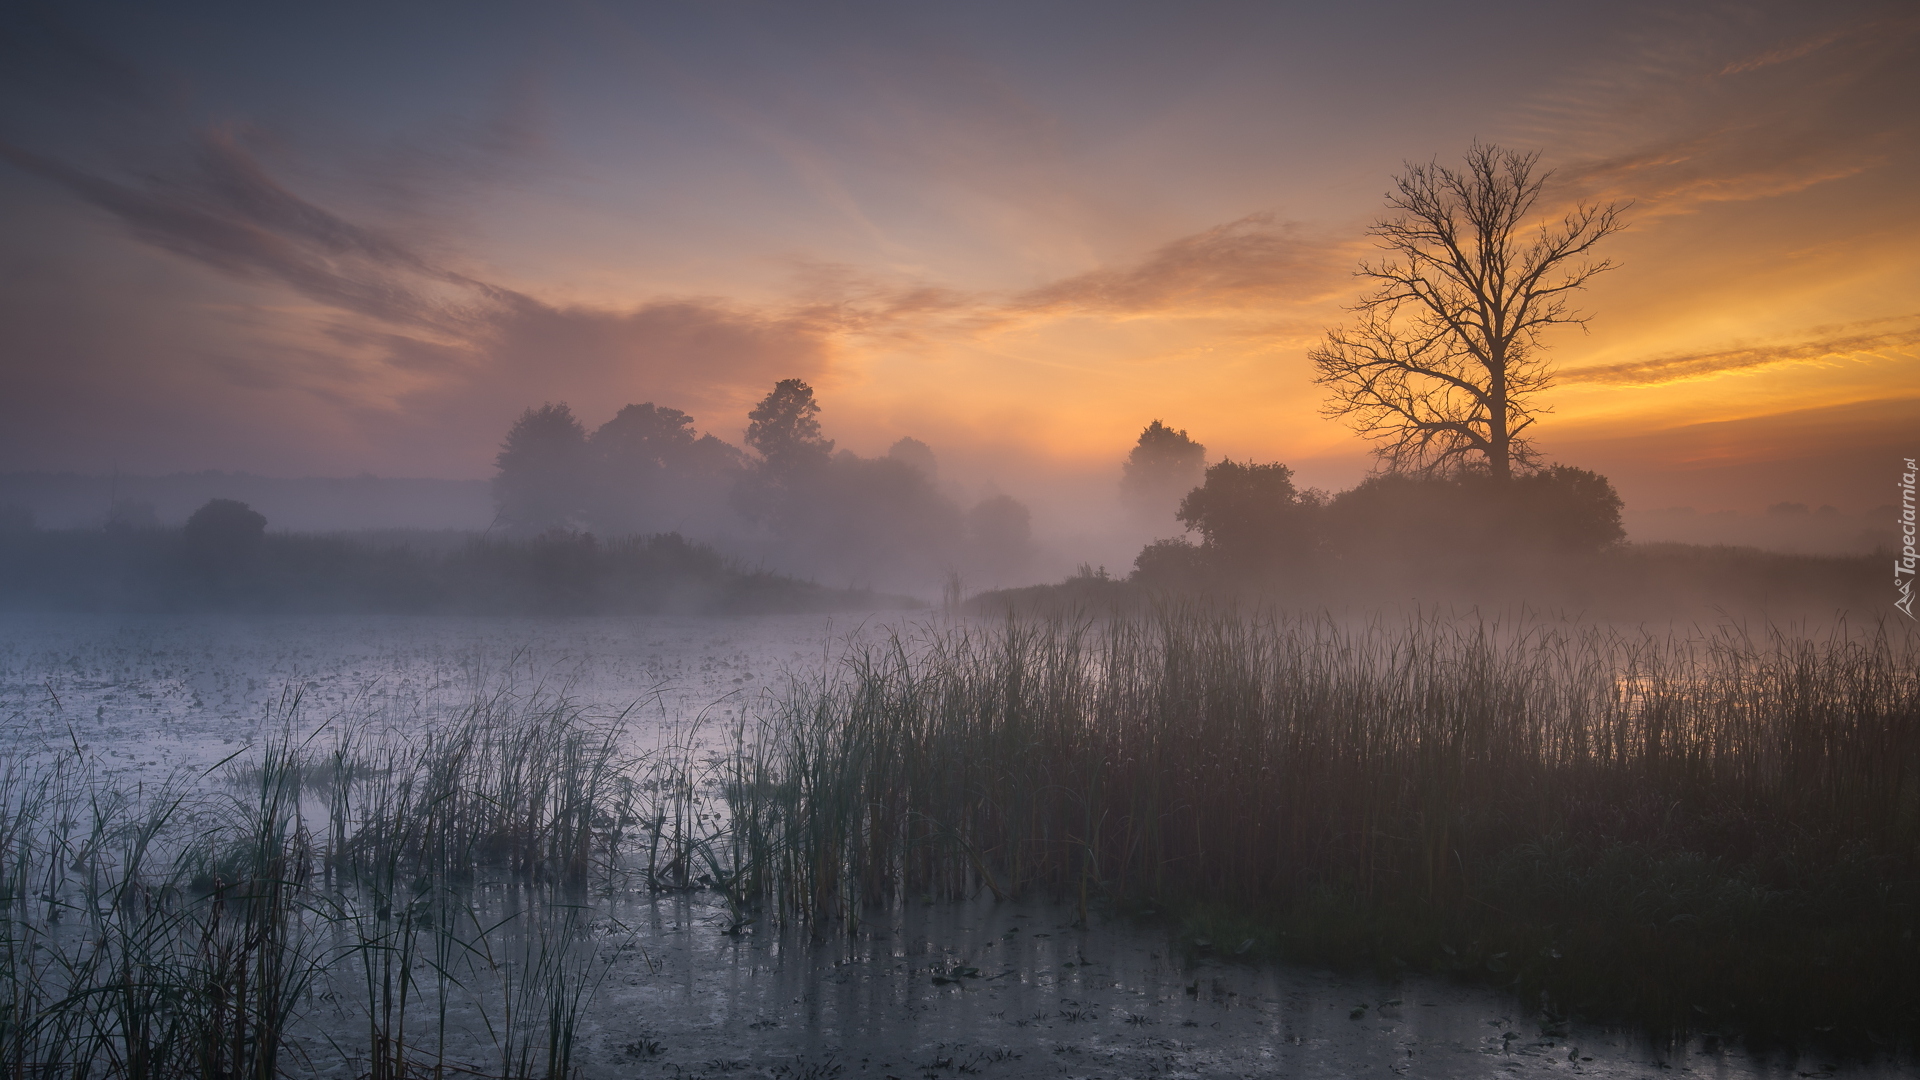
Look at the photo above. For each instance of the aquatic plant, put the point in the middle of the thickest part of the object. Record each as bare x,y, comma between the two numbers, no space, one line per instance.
190,930
1673,826
1714,829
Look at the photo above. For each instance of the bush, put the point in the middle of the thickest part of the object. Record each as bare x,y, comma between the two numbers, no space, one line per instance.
1251,517
1474,518
224,534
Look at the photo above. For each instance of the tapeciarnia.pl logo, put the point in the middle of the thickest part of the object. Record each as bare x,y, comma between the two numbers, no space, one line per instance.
1904,565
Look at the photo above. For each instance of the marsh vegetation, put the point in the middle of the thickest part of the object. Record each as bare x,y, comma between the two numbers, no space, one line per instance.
1714,830
1710,832
311,908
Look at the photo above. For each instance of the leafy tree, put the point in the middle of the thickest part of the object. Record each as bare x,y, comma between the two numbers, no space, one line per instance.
1446,361
913,452
645,436
1250,516
1162,466
224,534
541,480
711,456
1173,563
784,429
852,518
1564,509
865,518
1474,519
639,458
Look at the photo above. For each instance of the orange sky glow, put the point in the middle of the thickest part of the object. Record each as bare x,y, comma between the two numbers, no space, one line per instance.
230,254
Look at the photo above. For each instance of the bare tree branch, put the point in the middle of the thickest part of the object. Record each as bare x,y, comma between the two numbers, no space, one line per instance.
1443,367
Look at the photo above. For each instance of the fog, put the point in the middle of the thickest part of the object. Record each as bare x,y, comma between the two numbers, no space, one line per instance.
919,524
304,504
815,541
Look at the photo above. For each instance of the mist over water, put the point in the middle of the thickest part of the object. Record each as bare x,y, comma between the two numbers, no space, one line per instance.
884,541
787,760
679,985
160,695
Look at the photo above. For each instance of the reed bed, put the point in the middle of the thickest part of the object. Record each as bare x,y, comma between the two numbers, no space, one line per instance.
1709,830
349,906
1716,830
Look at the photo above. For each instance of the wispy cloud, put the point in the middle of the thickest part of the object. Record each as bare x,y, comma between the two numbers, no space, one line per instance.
409,329
1671,369
1256,265
1729,104
1253,261
230,215
1785,53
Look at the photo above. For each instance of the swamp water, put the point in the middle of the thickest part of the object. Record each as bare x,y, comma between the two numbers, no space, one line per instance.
673,984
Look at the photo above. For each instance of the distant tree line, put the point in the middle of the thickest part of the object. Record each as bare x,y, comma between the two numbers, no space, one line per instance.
1548,535
1255,526
788,497
224,559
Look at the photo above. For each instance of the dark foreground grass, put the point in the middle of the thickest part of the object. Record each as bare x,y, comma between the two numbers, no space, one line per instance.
1717,832
1699,833
318,907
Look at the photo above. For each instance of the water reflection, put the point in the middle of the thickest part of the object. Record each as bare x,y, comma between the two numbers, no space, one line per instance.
1011,989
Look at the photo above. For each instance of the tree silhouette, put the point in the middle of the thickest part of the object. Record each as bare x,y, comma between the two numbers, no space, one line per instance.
1250,515
224,534
915,453
645,436
634,454
541,482
1471,518
1162,466
1446,360
650,472
785,430
1565,509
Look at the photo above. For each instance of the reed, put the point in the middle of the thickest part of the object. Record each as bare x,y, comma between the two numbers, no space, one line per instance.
150,937
1677,827
190,931
1716,829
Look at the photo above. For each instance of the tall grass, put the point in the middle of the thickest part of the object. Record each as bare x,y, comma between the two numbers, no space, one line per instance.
150,938
197,930
523,792
1721,826
1719,829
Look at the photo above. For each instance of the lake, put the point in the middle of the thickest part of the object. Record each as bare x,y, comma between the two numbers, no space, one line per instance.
917,989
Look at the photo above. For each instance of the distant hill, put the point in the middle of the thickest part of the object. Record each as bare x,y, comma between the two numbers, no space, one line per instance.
304,504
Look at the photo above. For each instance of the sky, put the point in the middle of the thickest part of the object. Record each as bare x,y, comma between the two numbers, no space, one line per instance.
333,239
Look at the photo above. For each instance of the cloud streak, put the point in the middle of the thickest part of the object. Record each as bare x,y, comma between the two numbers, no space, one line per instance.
370,271
1255,261
1672,369
400,334
403,331
230,215
1724,107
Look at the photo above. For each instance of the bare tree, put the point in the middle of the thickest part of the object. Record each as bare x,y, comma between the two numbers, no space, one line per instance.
1444,366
